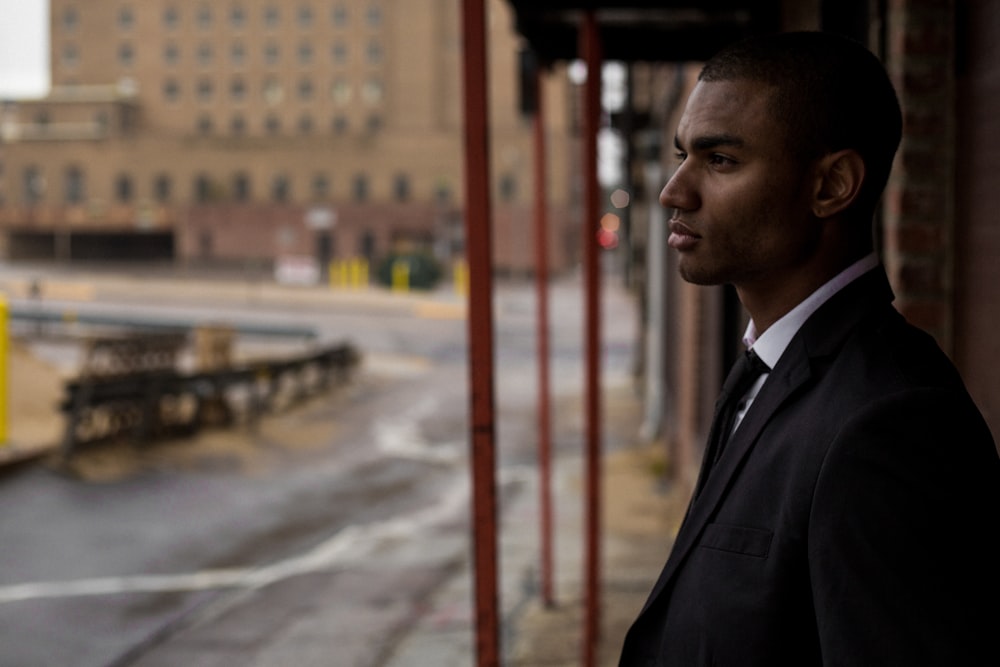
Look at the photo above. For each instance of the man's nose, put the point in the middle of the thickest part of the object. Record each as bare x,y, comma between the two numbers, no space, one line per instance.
678,193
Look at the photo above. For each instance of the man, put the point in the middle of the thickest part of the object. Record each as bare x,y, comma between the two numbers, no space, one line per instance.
851,518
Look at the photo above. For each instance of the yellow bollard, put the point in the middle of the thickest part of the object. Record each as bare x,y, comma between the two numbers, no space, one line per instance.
400,276
461,278
338,273
359,272
4,351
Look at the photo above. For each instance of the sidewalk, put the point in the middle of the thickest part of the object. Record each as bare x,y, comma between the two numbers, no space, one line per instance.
639,521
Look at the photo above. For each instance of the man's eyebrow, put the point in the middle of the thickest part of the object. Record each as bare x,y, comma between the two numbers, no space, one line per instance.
711,141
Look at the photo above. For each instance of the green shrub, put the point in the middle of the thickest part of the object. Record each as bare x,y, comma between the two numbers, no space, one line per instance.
424,270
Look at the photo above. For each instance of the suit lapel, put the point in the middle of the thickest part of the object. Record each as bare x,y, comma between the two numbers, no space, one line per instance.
781,383
820,336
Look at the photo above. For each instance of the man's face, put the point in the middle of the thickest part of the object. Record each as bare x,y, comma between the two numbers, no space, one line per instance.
740,201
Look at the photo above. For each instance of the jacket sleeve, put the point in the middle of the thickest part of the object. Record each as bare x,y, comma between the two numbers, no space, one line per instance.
903,533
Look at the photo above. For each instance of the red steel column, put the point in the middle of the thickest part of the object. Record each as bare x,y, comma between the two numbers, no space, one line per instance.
590,51
542,288
480,332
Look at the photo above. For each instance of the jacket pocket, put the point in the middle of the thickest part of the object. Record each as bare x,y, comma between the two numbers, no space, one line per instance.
737,539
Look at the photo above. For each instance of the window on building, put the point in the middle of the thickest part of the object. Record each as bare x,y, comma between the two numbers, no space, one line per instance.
237,16
360,187
241,187
374,16
205,90
374,52
237,53
273,92
74,189
305,53
366,246
102,121
70,19
205,53
123,188
171,18
305,89
305,124
237,125
340,91
401,187
33,184
339,53
161,188
442,193
305,16
171,54
126,18
271,54
280,188
126,55
320,187
237,89
339,15
373,123
204,17
202,188
372,91
171,90
272,17
42,120
70,55
272,125
508,187
205,125
340,124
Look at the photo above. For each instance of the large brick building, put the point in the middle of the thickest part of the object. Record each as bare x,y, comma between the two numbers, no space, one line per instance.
247,130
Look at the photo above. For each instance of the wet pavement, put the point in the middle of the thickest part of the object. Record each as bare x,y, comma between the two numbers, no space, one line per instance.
391,591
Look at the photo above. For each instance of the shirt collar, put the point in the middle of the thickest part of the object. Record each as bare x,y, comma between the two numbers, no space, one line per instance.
771,344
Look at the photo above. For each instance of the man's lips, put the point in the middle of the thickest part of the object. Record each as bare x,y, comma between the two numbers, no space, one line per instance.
681,236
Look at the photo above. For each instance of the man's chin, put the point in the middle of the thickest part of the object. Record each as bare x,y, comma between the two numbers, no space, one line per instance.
697,276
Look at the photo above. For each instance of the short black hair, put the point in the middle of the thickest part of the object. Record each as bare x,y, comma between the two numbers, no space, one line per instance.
831,93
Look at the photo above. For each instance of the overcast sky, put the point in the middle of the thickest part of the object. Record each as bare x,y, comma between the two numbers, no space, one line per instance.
24,51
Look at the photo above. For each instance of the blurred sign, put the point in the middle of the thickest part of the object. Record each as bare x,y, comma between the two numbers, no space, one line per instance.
320,217
296,270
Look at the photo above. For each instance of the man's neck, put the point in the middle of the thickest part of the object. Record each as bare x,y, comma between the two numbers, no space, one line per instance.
767,303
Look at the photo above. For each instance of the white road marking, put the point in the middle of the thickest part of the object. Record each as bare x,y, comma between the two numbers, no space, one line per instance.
350,544
400,436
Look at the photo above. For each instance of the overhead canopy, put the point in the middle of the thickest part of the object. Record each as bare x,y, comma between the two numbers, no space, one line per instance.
644,30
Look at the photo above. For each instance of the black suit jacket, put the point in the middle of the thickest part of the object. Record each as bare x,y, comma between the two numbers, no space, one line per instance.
853,518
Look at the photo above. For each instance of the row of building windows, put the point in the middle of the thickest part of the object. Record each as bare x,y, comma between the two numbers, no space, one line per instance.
205,54
341,91
237,15
207,189
272,125
237,124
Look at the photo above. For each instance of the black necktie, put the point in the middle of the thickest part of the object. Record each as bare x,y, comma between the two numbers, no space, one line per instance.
744,373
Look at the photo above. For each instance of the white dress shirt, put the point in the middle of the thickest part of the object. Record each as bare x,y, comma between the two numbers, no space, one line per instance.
771,344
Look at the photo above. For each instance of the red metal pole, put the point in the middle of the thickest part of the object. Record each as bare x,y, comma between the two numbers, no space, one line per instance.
480,332
590,49
542,287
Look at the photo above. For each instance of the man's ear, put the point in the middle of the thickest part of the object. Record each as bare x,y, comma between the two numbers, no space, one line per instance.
839,177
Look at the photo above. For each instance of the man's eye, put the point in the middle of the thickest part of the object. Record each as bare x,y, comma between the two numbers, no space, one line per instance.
680,156
721,160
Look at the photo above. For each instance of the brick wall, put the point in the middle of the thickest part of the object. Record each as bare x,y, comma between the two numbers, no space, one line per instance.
919,203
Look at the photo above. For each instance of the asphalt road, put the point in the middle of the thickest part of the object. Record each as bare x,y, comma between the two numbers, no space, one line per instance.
118,569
